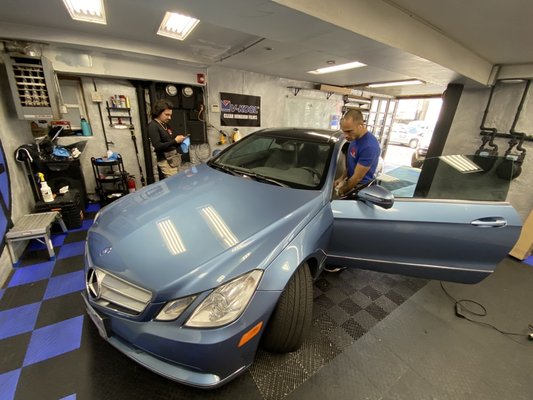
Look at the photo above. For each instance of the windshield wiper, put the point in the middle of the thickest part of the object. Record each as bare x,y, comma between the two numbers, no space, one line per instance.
259,177
223,168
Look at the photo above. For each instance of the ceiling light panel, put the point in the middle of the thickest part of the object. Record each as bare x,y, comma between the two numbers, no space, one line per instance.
87,10
177,26
396,83
336,68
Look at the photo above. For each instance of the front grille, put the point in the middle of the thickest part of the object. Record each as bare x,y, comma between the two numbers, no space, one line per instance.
109,291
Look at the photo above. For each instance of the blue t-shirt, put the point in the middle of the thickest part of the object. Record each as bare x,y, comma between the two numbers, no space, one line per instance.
364,151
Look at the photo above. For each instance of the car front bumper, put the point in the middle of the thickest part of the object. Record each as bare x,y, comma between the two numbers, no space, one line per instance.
204,358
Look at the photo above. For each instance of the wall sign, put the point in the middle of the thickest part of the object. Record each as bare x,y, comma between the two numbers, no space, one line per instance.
240,110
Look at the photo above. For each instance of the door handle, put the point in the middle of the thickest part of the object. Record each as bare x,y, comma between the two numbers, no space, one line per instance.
489,222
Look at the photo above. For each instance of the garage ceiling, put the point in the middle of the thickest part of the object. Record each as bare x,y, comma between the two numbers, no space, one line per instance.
435,41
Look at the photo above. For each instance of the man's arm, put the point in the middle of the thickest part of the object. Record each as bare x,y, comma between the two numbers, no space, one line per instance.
358,174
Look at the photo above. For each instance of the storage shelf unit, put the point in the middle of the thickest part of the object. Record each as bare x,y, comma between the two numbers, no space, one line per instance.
119,117
111,179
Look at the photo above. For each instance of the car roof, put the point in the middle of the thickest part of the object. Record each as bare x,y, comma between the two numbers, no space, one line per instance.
305,134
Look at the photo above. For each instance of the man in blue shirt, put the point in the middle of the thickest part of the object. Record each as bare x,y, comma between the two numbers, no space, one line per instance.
362,156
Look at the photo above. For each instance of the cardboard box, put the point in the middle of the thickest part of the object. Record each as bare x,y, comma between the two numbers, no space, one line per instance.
524,246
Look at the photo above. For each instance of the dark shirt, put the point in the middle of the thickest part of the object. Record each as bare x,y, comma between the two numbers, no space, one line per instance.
162,139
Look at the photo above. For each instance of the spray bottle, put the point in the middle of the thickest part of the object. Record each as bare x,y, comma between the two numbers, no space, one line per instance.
46,192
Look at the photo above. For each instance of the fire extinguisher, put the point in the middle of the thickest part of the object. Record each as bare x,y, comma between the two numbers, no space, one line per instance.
131,184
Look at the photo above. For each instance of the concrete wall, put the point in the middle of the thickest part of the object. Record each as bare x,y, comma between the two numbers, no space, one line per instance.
464,135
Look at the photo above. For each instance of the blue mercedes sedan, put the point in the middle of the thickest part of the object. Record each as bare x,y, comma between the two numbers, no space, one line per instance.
188,276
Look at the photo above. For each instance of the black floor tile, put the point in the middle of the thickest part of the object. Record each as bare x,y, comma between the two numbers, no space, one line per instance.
78,236
36,257
60,309
67,265
23,294
13,350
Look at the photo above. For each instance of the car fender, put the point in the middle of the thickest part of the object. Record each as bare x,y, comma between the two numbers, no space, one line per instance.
309,243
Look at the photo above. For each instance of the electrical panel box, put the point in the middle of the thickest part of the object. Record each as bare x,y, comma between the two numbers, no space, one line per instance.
33,88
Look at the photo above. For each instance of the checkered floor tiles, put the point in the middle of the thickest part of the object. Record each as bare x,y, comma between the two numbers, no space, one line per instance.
41,318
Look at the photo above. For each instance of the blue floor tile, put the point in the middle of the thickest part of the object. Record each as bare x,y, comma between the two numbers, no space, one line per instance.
57,240
94,207
33,273
71,249
529,260
54,340
70,397
18,320
8,384
64,284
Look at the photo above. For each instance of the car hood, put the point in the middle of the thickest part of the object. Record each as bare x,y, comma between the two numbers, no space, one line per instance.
195,230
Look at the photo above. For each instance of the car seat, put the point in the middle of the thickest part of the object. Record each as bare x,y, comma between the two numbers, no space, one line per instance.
284,157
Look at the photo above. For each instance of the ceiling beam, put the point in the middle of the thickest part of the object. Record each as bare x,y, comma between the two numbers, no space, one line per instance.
392,26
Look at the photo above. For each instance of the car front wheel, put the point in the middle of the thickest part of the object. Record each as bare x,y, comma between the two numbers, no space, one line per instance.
291,320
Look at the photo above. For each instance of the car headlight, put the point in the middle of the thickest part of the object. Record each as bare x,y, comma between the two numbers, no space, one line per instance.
174,308
226,303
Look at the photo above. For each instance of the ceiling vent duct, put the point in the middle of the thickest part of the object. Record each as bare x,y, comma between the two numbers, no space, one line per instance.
32,82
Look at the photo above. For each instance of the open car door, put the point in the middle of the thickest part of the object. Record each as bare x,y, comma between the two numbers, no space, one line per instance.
457,227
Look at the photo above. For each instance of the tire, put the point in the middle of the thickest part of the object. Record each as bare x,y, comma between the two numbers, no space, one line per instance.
291,320
413,143
415,162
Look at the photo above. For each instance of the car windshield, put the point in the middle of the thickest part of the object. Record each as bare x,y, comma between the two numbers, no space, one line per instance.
292,162
455,177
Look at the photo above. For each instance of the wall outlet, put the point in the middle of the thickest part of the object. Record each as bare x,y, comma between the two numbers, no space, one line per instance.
96,97
215,108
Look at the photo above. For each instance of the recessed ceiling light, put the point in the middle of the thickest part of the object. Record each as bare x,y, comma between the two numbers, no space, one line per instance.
335,68
396,83
177,26
87,10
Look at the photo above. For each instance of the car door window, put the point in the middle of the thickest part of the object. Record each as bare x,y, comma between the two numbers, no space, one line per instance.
452,177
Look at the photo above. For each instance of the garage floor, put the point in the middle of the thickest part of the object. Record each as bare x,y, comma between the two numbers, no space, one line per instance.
374,336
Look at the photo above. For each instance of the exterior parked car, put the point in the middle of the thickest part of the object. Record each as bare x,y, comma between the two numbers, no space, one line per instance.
410,134
419,155
188,276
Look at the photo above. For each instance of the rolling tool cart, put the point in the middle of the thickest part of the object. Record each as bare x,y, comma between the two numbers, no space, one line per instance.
111,179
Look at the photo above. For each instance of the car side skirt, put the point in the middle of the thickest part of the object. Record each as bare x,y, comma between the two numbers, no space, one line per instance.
435,272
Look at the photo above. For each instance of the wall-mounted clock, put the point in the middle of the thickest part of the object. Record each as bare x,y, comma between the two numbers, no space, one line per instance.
187,91
171,90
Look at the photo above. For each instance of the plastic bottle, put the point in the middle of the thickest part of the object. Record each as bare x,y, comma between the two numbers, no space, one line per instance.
236,135
48,196
86,127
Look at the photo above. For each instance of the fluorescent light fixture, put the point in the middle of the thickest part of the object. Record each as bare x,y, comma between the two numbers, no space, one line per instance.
396,83
177,26
461,164
86,10
335,68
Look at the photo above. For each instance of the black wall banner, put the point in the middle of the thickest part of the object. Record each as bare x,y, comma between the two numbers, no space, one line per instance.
240,110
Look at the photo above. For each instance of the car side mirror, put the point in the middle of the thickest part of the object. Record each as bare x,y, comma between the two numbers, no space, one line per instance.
215,153
377,195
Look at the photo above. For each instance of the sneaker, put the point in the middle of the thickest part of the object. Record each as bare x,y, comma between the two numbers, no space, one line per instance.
332,268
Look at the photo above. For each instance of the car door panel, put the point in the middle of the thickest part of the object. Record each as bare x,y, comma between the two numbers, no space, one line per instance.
435,239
